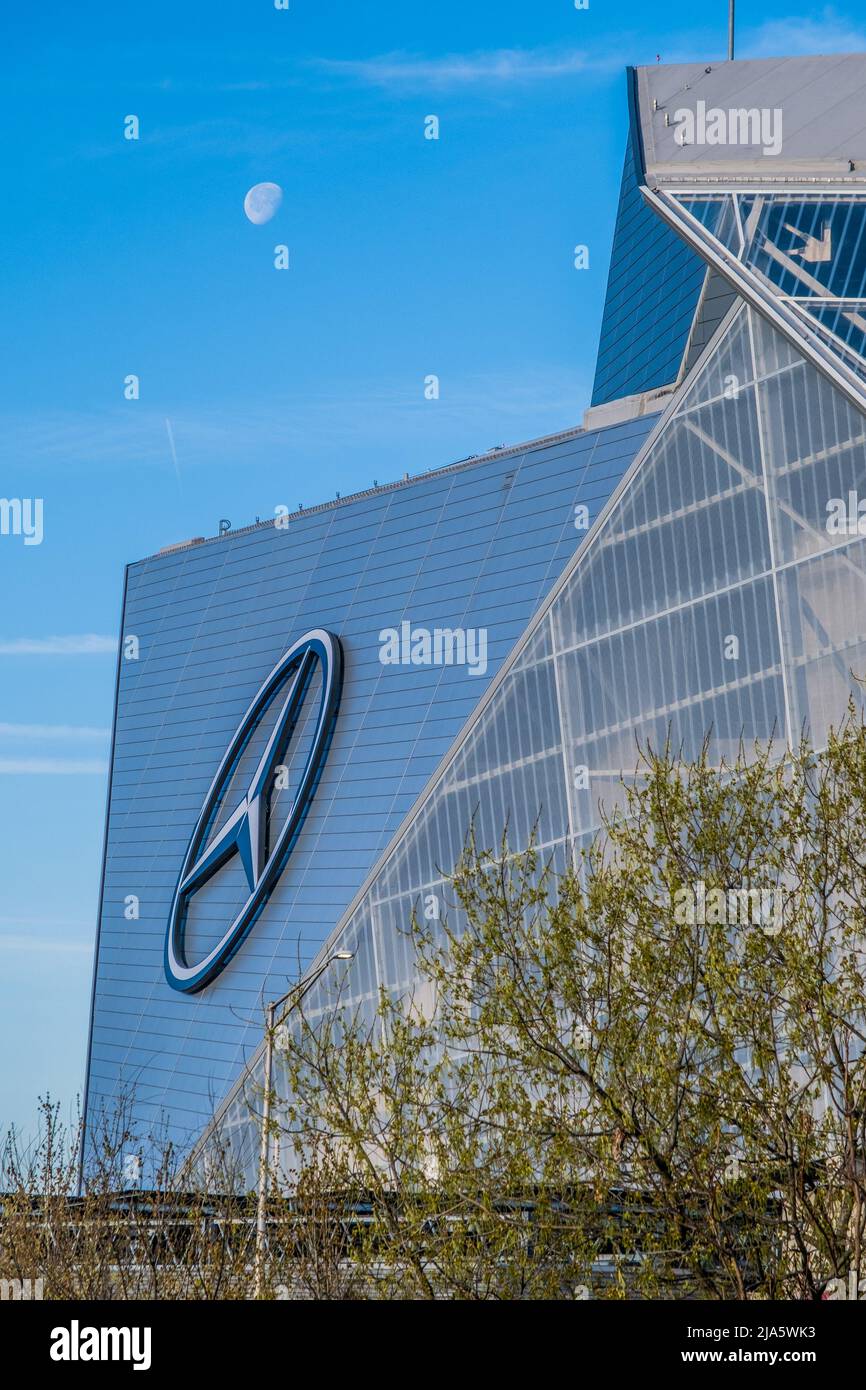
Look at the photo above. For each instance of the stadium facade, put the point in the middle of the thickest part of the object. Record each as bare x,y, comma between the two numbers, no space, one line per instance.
310,712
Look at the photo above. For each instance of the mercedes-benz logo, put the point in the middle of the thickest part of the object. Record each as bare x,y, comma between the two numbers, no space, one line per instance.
246,832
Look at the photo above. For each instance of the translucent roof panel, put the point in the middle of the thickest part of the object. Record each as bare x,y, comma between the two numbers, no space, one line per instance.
719,594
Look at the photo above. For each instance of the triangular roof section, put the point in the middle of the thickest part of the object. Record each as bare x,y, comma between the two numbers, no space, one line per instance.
810,120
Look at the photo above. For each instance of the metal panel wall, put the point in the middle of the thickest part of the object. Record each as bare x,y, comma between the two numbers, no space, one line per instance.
478,545
653,288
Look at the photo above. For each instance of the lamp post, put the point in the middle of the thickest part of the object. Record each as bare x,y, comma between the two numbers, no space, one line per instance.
295,995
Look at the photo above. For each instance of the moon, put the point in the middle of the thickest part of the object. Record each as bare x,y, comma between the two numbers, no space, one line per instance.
262,202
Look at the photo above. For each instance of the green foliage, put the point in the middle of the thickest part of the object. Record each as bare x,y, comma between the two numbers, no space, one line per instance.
638,1070
589,1086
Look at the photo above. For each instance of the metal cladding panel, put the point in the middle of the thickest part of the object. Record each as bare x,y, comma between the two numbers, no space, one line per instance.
476,546
813,107
653,287
820,98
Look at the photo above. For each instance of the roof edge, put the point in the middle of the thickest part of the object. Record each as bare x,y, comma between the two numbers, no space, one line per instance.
543,441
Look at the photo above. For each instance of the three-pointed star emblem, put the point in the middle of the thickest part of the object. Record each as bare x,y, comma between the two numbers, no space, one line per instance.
248,831
244,832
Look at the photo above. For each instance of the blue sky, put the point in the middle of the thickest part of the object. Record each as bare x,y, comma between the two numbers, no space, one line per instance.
258,387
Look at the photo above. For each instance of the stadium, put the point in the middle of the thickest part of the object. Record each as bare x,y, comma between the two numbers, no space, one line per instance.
311,711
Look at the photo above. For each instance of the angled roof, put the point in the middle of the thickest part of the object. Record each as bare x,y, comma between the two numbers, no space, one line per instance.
821,99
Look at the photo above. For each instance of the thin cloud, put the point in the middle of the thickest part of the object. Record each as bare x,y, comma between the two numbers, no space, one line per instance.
53,767
222,136
537,399
788,37
55,923
169,431
500,67
14,942
82,644
61,731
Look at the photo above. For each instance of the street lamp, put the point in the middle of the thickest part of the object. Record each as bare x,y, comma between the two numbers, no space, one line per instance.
295,995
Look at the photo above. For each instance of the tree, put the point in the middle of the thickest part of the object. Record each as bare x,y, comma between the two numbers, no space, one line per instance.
640,1072
115,1239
